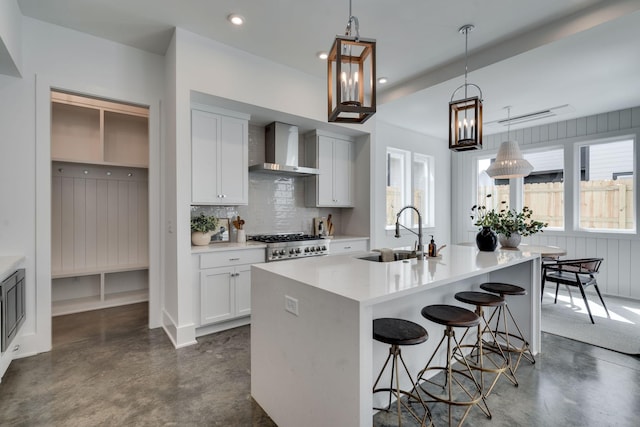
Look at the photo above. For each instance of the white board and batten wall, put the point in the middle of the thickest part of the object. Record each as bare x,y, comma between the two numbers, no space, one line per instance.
618,272
99,236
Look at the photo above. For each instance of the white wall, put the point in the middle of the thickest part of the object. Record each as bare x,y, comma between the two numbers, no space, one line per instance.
619,270
10,38
57,57
218,70
389,135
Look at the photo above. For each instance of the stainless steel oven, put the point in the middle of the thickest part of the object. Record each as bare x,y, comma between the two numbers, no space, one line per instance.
281,247
12,307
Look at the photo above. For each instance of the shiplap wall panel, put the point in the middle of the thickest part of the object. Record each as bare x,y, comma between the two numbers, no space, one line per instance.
98,222
585,126
112,222
102,231
123,222
91,223
613,272
620,271
143,219
624,260
66,233
79,222
132,203
56,224
613,120
634,270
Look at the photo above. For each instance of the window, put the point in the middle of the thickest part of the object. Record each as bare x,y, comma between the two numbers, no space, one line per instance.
397,182
497,189
544,187
606,186
409,183
423,197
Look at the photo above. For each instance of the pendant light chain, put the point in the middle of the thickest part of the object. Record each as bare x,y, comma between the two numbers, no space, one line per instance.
466,59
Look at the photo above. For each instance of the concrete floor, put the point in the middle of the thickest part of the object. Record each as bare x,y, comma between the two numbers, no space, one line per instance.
108,368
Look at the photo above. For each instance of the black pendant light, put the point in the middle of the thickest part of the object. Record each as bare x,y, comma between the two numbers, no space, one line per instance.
465,114
351,76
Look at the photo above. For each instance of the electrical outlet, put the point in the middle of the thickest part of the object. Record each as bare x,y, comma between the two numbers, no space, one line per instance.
291,305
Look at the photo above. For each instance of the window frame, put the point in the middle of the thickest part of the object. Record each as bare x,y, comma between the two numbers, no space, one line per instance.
409,184
571,188
575,196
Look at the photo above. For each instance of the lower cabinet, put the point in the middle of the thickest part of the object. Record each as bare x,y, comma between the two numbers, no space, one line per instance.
225,293
223,282
345,246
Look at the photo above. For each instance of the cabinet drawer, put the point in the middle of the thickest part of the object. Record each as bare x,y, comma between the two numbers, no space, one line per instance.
228,258
338,247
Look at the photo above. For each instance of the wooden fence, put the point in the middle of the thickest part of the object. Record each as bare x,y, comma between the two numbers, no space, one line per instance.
605,204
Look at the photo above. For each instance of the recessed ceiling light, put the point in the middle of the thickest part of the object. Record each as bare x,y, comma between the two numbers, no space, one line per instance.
323,55
382,80
236,19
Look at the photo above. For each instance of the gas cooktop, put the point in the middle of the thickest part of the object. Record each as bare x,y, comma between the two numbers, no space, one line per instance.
282,247
280,238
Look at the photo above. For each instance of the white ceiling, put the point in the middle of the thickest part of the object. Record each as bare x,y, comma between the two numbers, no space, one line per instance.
530,55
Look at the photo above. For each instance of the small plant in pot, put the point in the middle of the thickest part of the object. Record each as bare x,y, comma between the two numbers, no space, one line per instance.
512,225
202,227
486,239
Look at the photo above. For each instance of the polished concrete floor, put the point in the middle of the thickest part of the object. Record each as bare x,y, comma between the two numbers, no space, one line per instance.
107,368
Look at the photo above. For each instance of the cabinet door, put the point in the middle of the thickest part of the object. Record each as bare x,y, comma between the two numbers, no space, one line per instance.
243,290
325,164
217,299
205,128
233,163
342,173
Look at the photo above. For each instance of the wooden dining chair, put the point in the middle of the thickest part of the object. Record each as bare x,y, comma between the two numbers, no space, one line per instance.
580,273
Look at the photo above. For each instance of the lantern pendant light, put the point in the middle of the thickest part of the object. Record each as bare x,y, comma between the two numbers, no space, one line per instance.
351,76
465,114
509,162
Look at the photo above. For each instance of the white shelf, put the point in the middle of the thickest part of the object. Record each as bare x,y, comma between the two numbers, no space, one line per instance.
78,305
98,270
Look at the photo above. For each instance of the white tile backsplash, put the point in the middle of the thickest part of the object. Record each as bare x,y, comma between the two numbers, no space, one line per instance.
276,202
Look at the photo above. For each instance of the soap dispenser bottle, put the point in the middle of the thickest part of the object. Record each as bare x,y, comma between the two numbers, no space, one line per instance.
432,248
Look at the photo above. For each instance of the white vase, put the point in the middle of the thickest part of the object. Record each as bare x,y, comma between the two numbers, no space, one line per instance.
198,238
509,242
241,237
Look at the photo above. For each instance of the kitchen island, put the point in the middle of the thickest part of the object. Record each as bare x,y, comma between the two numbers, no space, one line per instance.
313,359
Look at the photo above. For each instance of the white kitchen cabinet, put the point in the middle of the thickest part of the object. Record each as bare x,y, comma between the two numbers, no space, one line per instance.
347,245
334,157
96,131
225,293
225,285
219,158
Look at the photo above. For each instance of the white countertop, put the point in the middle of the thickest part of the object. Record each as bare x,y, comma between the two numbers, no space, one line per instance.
232,246
9,264
374,282
228,246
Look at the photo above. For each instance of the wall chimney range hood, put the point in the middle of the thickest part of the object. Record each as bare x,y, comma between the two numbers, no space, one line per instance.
281,152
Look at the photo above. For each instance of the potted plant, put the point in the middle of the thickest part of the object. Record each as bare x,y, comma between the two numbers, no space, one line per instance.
202,227
512,225
486,239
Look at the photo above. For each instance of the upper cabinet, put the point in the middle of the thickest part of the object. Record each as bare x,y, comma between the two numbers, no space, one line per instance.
334,156
88,130
219,158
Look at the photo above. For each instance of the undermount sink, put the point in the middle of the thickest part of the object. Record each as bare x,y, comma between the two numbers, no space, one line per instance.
398,255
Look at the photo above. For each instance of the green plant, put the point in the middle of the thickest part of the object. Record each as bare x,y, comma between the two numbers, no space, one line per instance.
482,216
204,223
508,221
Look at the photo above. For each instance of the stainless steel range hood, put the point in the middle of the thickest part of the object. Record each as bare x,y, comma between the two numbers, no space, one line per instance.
281,151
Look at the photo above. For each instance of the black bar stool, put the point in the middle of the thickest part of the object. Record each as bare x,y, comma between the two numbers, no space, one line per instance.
521,345
398,332
488,358
460,385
